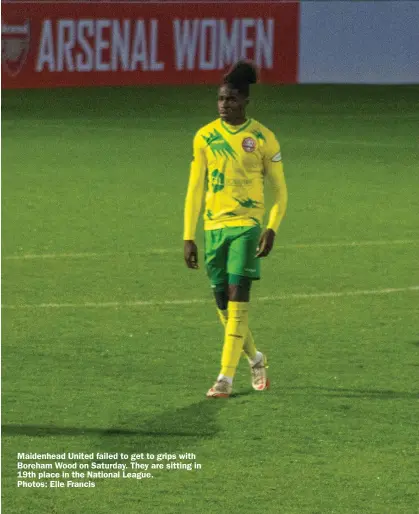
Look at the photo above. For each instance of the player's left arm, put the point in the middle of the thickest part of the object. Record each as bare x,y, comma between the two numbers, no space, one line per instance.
274,172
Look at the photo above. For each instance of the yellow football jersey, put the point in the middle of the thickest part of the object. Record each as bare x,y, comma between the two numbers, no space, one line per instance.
231,163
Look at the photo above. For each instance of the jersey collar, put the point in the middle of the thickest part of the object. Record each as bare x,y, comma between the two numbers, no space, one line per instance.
236,130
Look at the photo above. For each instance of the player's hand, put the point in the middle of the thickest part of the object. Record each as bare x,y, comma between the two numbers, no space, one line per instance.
190,252
266,243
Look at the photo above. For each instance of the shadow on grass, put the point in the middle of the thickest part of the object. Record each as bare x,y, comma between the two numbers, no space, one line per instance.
172,431
376,394
194,421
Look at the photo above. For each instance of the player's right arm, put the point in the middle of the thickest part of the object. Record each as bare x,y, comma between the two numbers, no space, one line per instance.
193,202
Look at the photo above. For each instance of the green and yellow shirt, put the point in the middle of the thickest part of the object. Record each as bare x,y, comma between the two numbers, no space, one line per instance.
231,163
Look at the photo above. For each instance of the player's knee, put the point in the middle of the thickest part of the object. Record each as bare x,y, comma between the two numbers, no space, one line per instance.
221,296
239,289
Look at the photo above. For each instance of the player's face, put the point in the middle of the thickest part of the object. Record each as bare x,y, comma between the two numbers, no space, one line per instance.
231,105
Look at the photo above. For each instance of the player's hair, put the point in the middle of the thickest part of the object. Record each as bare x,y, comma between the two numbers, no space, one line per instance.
241,76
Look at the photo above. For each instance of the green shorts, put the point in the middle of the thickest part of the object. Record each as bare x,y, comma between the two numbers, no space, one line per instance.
231,252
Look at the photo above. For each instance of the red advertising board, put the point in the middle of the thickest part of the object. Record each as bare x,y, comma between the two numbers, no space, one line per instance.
55,44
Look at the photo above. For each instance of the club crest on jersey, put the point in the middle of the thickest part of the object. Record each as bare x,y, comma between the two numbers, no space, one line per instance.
249,144
15,39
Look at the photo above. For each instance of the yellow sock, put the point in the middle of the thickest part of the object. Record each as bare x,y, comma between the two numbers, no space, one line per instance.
235,332
249,347
223,316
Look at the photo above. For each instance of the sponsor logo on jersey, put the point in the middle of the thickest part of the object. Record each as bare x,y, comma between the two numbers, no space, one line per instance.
239,182
15,40
249,144
277,157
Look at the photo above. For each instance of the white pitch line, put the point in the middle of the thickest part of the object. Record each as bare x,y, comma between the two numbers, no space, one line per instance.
164,251
160,303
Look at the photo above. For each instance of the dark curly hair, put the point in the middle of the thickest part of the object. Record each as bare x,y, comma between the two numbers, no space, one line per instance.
241,76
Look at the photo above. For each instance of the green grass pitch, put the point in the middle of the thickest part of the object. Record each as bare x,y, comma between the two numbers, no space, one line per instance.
105,351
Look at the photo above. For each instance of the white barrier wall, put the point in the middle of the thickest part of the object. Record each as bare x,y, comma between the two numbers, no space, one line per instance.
359,42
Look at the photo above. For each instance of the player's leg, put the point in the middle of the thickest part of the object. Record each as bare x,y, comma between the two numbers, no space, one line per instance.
243,267
233,304
221,300
221,294
216,251
236,321
237,326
